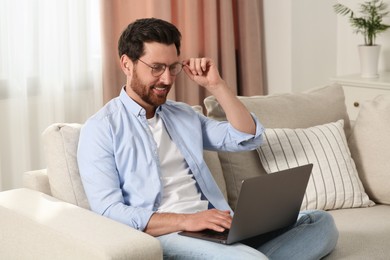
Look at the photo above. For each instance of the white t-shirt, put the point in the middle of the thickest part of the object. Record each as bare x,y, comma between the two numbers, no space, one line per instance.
180,194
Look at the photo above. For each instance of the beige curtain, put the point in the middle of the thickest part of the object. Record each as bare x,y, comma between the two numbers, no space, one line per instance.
229,31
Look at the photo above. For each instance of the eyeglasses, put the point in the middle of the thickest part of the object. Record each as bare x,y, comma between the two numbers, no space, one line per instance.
158,69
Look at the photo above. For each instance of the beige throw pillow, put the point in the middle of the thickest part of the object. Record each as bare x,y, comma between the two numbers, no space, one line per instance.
370,146
334,182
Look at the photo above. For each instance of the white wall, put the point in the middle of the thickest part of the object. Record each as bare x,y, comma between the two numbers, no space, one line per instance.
307,43
277,30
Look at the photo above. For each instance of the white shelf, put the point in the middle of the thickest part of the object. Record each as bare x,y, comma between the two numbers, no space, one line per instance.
383,81
358,90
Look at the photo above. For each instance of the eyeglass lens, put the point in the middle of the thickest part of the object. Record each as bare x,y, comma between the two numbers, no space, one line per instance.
158,69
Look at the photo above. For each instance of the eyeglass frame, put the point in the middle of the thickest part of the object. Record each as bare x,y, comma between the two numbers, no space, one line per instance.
163,68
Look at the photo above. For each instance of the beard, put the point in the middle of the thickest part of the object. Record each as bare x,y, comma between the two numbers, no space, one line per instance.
154,95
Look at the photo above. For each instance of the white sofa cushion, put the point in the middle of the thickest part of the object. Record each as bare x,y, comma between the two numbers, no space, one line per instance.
60,146
37,226
37,180
364,233
334,182
370,143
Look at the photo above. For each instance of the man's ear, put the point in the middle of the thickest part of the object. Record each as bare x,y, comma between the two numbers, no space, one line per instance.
126,65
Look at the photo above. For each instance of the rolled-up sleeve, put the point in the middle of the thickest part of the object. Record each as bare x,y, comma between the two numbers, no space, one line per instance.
221,135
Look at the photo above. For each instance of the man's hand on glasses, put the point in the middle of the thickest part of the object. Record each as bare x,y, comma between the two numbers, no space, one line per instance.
203,71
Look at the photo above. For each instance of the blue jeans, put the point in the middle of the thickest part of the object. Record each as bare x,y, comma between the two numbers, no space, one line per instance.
313,236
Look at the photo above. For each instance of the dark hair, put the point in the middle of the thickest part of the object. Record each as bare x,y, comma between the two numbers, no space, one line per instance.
131,42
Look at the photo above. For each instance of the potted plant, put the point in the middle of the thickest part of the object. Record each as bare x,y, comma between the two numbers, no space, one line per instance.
369,24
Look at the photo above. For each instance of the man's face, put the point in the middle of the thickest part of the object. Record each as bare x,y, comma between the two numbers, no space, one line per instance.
148,90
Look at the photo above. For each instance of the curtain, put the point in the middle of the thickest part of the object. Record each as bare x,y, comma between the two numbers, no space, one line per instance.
229,31
50,71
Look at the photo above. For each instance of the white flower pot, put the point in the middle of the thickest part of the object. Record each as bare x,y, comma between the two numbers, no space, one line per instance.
369,57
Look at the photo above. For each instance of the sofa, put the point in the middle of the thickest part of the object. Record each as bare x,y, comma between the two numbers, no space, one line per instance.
49,218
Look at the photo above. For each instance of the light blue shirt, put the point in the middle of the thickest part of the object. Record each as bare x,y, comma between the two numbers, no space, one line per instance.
119,164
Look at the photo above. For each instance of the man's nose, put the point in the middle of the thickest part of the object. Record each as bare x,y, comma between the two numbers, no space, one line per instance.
166,78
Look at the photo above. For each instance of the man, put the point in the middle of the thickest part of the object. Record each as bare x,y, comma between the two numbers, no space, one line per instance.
141,156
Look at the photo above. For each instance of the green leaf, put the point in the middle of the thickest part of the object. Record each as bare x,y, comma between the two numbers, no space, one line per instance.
369,24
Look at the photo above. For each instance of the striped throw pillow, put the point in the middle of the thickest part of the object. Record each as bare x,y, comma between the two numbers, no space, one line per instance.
334,182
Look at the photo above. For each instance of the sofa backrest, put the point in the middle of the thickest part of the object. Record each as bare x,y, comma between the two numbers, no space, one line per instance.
318,106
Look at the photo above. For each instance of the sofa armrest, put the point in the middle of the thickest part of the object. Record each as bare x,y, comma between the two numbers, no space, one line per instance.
37,180
38,226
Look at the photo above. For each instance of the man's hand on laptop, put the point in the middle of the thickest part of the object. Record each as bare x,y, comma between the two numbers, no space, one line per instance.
165,223
217,220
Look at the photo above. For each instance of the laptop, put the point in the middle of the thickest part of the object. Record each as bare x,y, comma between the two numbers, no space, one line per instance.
266,203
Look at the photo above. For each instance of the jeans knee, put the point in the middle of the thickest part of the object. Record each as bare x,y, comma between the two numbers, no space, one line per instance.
323,225
327,229
327,220
316,217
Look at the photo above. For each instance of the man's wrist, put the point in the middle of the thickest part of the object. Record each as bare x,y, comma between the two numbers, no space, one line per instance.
218,87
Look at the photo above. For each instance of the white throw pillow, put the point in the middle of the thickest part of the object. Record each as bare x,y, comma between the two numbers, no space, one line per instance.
60,144
334,182
370,143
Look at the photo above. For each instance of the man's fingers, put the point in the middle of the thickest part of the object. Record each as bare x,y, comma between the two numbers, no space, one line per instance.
203,64
197,66
209,219
221,218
